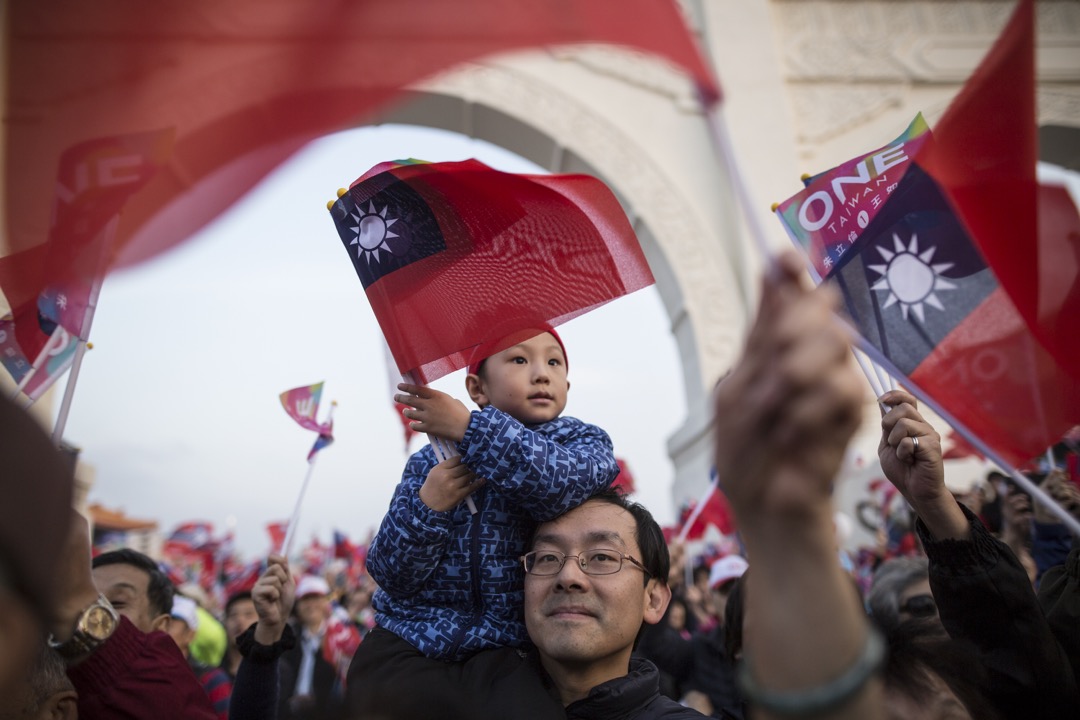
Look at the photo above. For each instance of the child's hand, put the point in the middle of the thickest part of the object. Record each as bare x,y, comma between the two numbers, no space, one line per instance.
447,484
434,412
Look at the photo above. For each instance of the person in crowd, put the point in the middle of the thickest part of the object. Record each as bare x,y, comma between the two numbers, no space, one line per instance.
309,683
263,642
983,592
900,592
44,693
1051,540
711,670
783,418
699,601
183,625
208,646
136,587
449,581
240,614
1059,597
117,669
36,486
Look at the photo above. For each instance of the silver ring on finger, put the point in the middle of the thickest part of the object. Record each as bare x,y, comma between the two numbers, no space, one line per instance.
914,444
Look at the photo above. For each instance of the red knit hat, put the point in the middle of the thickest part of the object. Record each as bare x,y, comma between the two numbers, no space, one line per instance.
487,349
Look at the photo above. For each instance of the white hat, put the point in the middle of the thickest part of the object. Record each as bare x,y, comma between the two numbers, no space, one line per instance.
186,609
726,568
311,585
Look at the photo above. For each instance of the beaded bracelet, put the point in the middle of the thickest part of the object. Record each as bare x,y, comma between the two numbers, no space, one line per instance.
823,697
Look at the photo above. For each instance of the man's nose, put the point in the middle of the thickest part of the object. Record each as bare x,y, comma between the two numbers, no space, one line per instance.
571,574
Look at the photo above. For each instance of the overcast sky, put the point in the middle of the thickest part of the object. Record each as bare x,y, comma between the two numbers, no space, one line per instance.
177,405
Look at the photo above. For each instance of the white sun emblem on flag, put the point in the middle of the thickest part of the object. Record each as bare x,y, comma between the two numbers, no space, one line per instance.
372,230
910,278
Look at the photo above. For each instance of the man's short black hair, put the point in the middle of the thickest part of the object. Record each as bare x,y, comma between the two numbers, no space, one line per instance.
159,590
235,598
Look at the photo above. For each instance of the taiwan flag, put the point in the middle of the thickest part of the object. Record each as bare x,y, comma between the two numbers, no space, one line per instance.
242,85
926,303
917,236
457,255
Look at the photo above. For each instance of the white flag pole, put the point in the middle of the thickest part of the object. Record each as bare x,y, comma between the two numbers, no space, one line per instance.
290,532
108,233
443,448
1031,488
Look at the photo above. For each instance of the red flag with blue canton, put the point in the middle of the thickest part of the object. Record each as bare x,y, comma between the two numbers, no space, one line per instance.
456,255
984,161
927,304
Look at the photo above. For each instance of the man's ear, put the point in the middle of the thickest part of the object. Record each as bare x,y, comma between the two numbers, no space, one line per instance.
657,597
161,622
62,705
477,390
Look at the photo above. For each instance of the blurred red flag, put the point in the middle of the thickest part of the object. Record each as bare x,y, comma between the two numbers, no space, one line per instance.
716,512
984,159
242,85
277,531
456,256
624,481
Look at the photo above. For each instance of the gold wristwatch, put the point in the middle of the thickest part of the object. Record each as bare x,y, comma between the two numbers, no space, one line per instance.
95,625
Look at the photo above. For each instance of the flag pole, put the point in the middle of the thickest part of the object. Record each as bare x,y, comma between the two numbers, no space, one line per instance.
444,449
1022,480
290,532
51,344
88,319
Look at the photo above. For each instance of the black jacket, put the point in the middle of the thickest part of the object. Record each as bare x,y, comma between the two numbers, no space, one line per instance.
635,696
985,598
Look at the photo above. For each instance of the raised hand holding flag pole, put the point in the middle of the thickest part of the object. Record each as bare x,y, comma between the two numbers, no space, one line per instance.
302,405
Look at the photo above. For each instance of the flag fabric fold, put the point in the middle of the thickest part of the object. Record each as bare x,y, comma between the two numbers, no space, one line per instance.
926,302
302,405
454,256
238,87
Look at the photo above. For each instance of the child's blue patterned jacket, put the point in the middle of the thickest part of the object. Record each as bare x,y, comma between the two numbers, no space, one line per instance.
451,583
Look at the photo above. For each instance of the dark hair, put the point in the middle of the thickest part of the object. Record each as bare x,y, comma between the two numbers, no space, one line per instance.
734,612
237,597
159,591
649,536
920,649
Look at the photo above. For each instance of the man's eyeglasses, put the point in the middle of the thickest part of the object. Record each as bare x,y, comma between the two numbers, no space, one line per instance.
920,606
599,561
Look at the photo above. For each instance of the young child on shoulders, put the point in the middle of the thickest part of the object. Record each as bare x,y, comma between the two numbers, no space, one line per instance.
451,582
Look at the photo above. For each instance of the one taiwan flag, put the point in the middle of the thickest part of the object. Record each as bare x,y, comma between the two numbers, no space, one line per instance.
928,306
456,255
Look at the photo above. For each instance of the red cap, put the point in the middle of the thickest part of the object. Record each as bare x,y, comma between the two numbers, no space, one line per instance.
487,349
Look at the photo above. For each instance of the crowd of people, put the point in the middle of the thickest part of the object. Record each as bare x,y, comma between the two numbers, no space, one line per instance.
551,595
